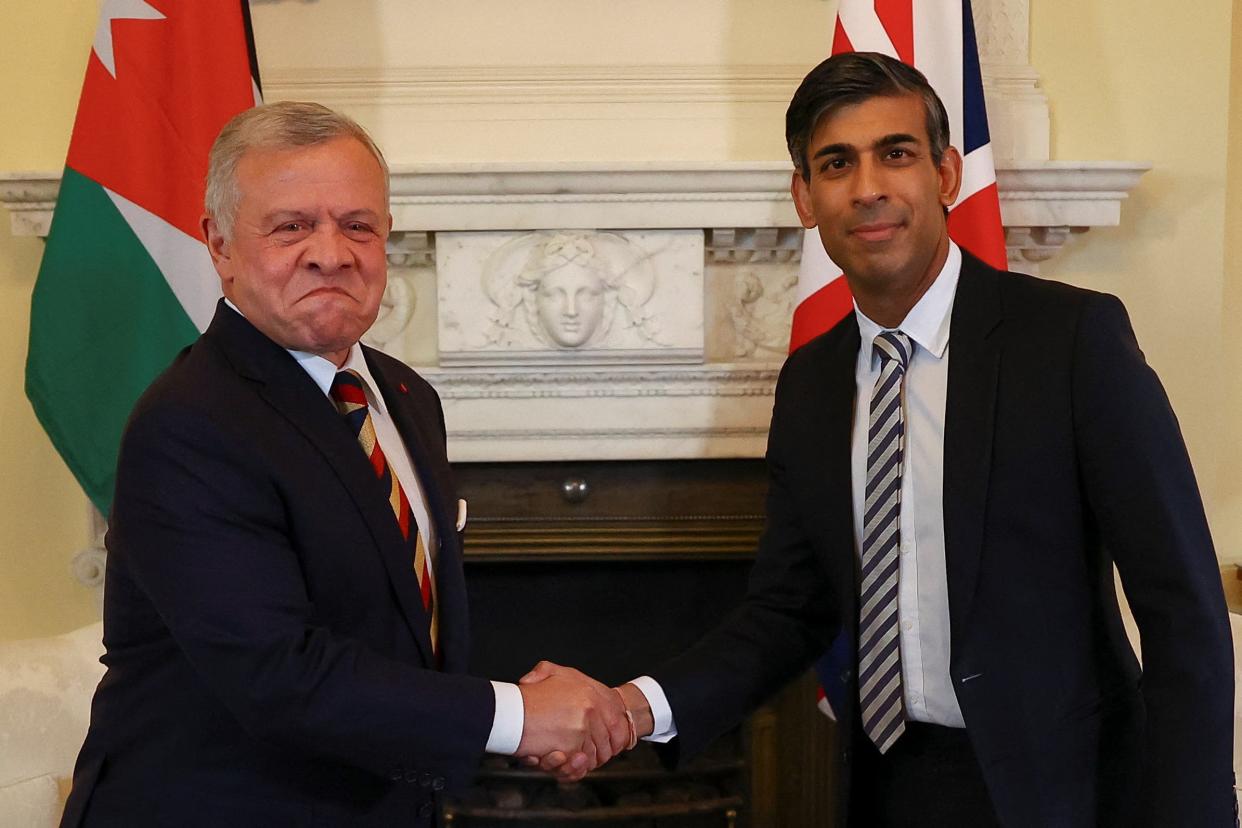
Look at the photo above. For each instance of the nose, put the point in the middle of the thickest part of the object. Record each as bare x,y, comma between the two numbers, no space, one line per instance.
869,187
570,306
328,250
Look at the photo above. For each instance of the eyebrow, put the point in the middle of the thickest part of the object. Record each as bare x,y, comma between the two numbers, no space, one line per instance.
892,139
285,215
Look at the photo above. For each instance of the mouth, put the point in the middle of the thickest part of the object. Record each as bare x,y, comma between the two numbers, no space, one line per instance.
327,291
876,231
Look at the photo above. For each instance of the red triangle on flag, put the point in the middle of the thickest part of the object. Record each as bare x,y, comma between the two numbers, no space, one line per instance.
146,133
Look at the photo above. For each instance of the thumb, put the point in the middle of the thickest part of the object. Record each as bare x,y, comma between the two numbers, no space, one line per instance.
541,671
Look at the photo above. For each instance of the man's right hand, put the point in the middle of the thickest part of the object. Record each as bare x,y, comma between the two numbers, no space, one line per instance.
569,713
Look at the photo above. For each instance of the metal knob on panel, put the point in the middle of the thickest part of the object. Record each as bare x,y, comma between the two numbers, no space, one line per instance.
575,490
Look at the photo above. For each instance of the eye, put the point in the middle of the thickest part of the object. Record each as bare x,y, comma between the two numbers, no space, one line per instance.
898,154
835,165
359,230
292,227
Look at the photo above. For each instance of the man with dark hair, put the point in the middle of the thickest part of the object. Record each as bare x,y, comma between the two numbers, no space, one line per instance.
955,469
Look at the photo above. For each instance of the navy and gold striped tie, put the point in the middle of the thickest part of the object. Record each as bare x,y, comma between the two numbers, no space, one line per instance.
881,698
351,401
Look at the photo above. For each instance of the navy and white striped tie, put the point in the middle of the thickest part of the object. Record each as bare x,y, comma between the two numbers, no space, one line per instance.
879,657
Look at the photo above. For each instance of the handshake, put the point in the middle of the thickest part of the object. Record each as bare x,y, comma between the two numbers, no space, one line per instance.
573,724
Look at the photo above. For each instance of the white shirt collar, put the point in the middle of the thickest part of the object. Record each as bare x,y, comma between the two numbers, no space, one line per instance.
322,371
927,323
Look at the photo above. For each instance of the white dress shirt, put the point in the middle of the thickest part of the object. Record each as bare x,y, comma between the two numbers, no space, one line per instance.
506,732
923,591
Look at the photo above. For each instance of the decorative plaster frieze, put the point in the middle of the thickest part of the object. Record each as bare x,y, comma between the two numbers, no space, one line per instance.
519,87
570,296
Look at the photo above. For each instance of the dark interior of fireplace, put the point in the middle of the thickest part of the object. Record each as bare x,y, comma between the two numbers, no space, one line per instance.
612,567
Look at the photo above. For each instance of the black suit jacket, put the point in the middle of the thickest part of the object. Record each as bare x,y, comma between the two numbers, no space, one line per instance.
1061,457
268,654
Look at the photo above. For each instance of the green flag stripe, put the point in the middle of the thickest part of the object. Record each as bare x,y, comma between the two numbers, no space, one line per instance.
103,324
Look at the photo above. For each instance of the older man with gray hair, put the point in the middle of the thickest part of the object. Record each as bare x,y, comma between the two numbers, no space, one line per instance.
285,609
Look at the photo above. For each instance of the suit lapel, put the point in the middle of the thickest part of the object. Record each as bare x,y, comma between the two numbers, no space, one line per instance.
841,388
818,430
974,366
293,395
434,477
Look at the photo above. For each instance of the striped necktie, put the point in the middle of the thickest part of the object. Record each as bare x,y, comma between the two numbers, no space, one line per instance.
881,699
351,401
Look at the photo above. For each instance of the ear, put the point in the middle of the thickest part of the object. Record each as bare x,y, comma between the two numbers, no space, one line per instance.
217,245
950,172
801,193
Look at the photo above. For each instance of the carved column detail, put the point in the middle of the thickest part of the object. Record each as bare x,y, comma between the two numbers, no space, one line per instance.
750,291
1017,107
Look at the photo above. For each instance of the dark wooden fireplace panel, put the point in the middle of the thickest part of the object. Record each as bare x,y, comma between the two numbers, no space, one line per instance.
612,567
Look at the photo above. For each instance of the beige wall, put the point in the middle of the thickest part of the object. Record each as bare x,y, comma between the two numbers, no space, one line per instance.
1176,260
1115,94
1228,487
43,514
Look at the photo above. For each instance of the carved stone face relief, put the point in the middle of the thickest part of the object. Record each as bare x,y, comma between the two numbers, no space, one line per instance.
562,297
570,288
570,301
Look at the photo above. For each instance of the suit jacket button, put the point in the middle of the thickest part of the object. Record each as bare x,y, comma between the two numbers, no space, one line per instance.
437,784
396,774
845,757
411,776
846,675
424,779
426,809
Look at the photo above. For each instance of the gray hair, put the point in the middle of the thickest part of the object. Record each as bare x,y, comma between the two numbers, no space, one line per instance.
281,125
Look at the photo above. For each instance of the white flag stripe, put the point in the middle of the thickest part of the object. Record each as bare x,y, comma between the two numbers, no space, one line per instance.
978,172
182,259
937,54
816,269
864,29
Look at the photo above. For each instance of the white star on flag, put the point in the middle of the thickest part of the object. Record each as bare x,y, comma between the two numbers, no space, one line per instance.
118,10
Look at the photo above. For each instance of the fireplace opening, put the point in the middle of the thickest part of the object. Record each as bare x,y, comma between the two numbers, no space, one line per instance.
612,567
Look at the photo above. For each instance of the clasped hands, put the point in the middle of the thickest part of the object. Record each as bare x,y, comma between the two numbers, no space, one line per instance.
574,724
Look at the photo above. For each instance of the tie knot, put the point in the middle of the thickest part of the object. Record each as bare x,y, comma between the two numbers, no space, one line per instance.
893,346
347,392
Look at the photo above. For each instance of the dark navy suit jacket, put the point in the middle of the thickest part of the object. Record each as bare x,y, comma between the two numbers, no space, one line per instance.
268,654
1061,457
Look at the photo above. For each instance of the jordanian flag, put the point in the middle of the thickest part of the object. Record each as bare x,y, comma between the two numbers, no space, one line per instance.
126,280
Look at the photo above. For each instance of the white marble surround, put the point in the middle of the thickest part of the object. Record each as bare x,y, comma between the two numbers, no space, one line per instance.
625,310
721,238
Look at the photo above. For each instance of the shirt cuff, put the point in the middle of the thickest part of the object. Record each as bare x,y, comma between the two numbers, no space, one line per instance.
510,718
664,729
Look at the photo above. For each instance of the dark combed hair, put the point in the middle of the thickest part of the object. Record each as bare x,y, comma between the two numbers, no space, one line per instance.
851,78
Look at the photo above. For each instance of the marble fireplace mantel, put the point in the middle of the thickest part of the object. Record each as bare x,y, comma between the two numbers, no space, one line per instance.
1047,200
739,247
725,232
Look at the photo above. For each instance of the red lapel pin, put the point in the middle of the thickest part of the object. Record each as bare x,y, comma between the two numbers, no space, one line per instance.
401,386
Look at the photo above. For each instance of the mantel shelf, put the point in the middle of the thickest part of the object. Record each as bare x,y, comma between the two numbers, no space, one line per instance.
1042,202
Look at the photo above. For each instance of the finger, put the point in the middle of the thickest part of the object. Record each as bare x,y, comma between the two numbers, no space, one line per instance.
531,761
553,761
601,737
589,754
578,766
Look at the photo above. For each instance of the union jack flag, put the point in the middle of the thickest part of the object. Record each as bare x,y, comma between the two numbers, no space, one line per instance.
938,38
